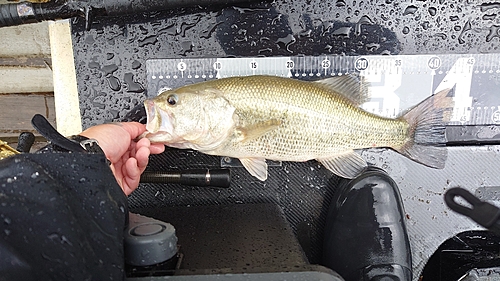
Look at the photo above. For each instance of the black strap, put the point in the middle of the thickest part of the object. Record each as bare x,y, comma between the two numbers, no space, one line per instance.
90,145
51,134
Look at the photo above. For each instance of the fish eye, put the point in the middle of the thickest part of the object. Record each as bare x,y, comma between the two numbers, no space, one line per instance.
172,99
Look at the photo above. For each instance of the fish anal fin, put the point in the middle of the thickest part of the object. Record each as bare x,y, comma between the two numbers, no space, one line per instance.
346,164
350,86
253,131
257,167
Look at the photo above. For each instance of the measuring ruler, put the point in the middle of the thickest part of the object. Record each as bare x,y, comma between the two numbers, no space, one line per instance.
396,82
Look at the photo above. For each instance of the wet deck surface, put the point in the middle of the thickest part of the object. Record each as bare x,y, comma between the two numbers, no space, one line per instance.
110,60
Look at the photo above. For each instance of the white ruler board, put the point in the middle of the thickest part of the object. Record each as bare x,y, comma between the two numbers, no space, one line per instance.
396,82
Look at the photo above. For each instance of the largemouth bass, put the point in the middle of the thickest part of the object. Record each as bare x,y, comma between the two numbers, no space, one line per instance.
255,118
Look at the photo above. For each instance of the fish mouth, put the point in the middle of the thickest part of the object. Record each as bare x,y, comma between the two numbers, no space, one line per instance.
159,122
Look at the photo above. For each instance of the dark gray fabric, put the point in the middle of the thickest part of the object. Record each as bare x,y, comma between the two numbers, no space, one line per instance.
62,216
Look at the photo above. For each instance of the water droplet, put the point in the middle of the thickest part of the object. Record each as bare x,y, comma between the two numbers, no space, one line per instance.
287,41
425,25
114,83
186,26
109,69
148,40
170,30
208,32
132,86
53,236
94,65
372,47
89,39
363,20
488,6
343,31
489,17
441,36
406,30
110,56
276,19
432,11
410,10
457,27
340,3
136,64
467,27
326,26
454,18
247,10
305,33
187,47
494,32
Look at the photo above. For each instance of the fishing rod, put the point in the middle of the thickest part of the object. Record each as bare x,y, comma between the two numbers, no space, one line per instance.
28,12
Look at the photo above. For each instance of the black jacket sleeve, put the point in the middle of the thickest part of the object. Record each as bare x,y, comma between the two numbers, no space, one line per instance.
62,217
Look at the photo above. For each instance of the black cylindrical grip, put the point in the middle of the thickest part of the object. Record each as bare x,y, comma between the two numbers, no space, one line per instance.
9,16
160,177
16,14
196,177
25,141
220,177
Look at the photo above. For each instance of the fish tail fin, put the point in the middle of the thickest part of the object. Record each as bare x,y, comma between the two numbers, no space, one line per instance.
427,139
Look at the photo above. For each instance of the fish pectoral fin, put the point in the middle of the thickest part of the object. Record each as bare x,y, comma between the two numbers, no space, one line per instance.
256,130
257,167
347,164
350,86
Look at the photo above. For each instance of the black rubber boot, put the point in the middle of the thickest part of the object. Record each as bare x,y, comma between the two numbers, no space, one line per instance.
365,234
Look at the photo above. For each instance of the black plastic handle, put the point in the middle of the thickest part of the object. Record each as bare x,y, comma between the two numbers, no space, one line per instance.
45,129
196,177
25,142
484,213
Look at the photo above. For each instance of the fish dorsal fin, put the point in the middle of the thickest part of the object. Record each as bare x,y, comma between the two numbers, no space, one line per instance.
347,164
350,86
257,167
253,131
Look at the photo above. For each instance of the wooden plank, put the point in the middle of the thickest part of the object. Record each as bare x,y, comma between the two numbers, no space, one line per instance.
17,111
25,59
25,79
65,89
25,40
40,62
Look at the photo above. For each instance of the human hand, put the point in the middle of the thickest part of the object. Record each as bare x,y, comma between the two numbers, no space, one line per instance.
128,158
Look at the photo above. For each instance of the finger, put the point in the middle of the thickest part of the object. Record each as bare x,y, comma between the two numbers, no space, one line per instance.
157,148
132,175
143,143
142,157
134,129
